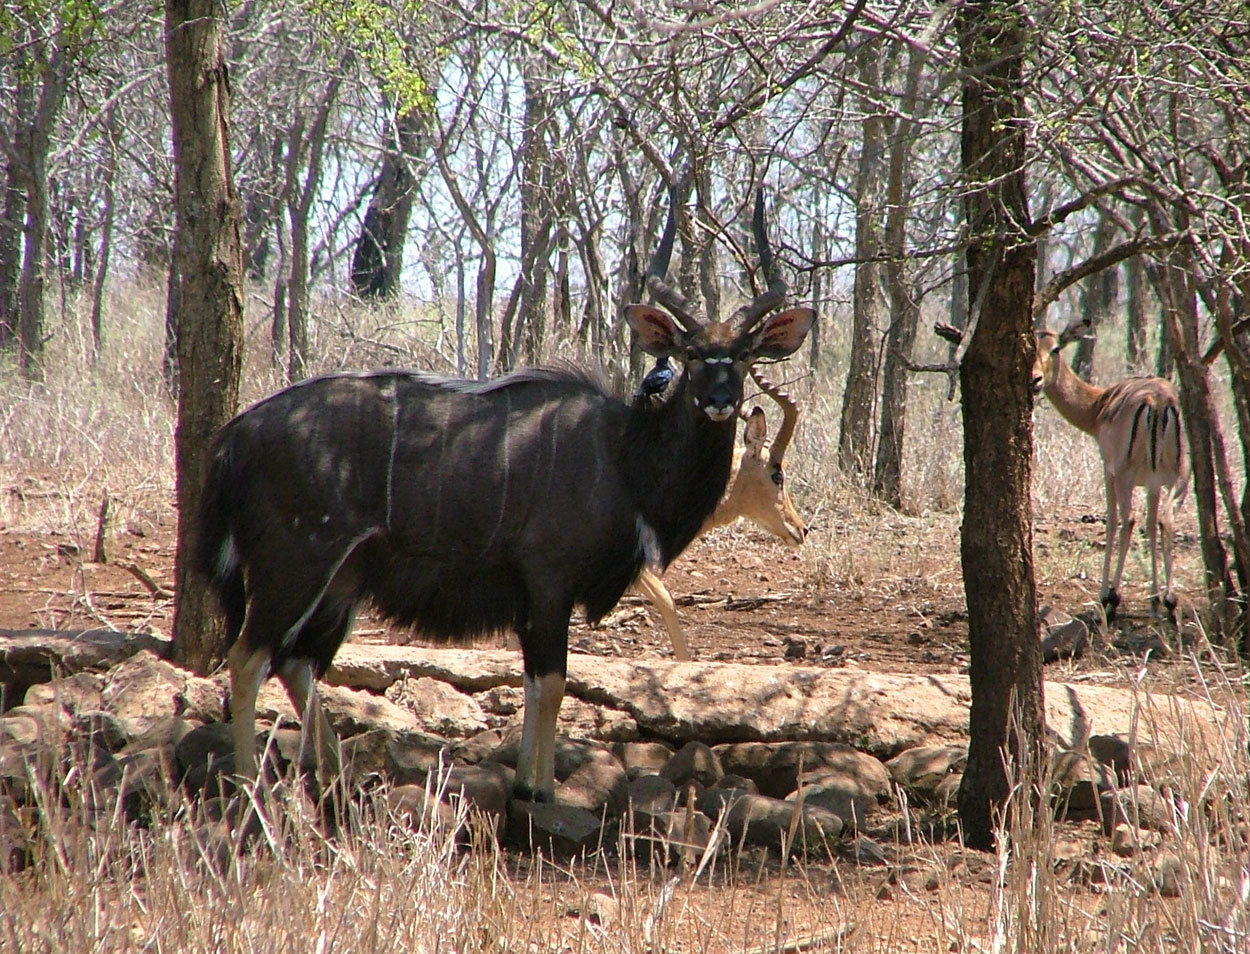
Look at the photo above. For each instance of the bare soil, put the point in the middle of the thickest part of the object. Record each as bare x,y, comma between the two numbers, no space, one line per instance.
743,599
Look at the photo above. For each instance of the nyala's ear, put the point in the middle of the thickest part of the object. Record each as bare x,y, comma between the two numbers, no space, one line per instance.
658,334
756,431
781,334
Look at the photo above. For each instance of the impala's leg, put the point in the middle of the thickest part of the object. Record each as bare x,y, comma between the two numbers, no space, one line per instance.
1124,496
248,669
1167,532
544,650
1106,594
1152,536
297,675
653,588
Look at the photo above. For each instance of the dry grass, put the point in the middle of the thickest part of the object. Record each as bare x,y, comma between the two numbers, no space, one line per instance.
97,883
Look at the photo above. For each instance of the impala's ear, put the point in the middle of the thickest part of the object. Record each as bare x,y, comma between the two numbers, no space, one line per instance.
658,334
781,335
756,431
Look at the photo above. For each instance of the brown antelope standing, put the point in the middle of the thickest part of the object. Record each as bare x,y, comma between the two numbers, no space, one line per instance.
470,507
1137,424
757,491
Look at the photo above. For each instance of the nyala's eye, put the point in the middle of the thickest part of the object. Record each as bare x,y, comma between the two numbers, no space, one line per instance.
778,476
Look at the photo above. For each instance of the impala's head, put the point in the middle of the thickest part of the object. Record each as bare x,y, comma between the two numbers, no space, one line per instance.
717,355
758,490
1048,363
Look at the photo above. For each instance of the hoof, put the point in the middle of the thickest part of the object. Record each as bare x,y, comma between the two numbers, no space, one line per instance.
1169,603
1110,603
523,793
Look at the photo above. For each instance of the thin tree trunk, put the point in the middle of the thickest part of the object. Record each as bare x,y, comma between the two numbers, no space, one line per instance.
377,262
1175,283
996,543
860,396
306,151
106,239
904,310
1098,298
33,171
209,310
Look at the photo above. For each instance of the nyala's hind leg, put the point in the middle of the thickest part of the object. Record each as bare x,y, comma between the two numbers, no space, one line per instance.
297,675
248,669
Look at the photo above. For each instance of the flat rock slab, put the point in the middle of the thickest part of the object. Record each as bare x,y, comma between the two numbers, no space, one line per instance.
880,713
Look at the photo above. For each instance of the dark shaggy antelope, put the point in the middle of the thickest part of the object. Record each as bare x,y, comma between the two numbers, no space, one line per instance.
464,508
757,491
1137,424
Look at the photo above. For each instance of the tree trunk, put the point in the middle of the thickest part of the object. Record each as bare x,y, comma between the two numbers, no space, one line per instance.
106,237
209,315
996,544
11,217
33,175
860,397
536,180
1175,282
1099,293
1138,290
306,151
904,309
378,260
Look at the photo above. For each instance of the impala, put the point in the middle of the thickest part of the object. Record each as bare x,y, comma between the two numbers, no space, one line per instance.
1137,424
757,491
466,507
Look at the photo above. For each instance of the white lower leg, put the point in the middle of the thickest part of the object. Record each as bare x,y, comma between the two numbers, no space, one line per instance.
248,670
535,771
550,695
297,676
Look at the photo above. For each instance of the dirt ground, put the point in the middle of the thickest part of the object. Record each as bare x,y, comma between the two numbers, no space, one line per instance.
896,604
741,598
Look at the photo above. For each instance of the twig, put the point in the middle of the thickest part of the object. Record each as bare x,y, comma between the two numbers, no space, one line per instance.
139,573
101,528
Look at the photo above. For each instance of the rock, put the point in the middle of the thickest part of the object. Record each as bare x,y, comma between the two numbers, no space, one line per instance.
20,730
561,831
477,747
52,721
603,910
694,761
82,692
642,758
867,852
32,656
947,791
842,796
1078,781
1067,641
1159,766
597,786
1128,841
727,789
404,757
922,769
651,793
421,810
570,755
1114,752
1140,807
142,695
202,745
438,707
19,832
764,821
1169,876
746,759
858,772
485,788
140,781
670,836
